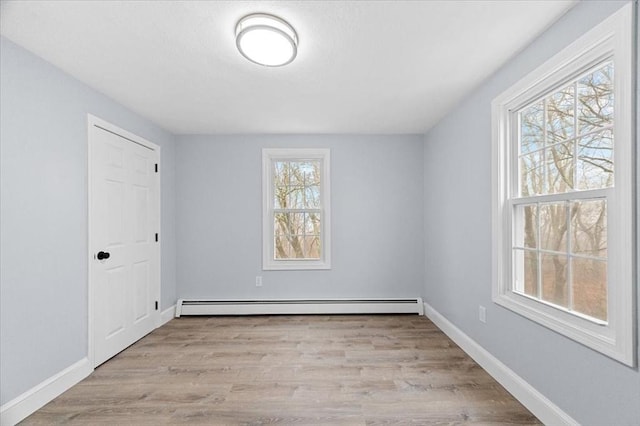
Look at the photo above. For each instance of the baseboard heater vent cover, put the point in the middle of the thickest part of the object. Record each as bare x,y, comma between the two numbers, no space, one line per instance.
299,306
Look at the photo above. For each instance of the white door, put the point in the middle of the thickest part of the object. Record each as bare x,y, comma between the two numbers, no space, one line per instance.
124,254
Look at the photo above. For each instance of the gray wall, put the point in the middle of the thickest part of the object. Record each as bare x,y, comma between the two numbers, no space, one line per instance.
590,387
377,218
43,228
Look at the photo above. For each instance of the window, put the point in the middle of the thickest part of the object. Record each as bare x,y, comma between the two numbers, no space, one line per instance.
296,214
563,192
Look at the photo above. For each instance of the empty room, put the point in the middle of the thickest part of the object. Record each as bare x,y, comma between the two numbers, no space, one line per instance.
319,212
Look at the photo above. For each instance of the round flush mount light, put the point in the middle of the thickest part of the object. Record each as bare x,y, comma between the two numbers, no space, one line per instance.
266,40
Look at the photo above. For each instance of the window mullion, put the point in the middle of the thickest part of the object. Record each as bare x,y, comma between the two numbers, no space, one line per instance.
575,135
545,169
538,255
573,195
297,210
568,255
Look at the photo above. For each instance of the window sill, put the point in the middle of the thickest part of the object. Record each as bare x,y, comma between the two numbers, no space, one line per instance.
295,267
593,334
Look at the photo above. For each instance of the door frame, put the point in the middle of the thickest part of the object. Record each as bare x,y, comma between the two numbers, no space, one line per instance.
93,121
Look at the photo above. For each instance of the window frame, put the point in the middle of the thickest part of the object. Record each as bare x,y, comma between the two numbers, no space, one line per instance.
613,39
269,155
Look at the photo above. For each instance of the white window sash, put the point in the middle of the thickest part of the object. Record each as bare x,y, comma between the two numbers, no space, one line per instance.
269,262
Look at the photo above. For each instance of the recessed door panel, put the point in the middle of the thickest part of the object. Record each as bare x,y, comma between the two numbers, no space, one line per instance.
141,230
115,209
115,155
141,165
115,303
141,290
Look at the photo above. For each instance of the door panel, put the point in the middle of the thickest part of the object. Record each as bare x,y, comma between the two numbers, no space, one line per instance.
142,215
124,217
115,206
115,303
141,290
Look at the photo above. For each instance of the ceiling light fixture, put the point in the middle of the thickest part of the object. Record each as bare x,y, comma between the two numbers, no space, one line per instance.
266,40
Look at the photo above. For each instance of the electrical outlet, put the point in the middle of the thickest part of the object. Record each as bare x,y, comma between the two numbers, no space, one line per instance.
258,281
482,314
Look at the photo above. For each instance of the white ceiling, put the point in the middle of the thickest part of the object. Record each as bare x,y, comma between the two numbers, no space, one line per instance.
362,66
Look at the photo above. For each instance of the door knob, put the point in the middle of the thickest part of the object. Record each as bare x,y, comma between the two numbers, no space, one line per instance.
103,255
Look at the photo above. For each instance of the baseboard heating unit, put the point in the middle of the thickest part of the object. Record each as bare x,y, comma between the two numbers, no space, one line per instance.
298,306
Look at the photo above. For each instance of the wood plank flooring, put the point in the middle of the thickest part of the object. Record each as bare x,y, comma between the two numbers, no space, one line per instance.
310,370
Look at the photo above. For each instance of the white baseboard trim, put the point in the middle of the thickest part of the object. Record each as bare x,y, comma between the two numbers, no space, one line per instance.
35,398
167,315
538,404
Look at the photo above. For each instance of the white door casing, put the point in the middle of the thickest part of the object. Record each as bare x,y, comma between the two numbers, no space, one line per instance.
124,219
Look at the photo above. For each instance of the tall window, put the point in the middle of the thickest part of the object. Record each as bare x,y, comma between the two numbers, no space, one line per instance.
563,196
296,219
565,157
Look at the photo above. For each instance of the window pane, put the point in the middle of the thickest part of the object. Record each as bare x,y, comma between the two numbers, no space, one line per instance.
526,272
282,245
310,171
553,227
281,173
531,128
595,100
312,197
289,223
295,197
312,246
312,223
554,279
280,184
297,235
559,168
289,246
297,246
296,223
560,122
589,228
595,160
296,175
280,197
532,173
283,248
526,226
304,173
589,287
298,185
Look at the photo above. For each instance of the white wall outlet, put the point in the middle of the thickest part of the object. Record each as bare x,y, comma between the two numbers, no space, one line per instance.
258,281
482,313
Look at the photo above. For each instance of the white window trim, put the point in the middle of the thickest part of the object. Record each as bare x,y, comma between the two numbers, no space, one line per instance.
616,339
268,258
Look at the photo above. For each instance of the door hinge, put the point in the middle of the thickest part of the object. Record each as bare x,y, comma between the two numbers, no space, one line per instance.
156,167
156,305
156,237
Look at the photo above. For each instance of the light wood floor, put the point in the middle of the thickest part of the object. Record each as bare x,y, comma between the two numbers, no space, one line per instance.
310,370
